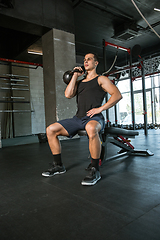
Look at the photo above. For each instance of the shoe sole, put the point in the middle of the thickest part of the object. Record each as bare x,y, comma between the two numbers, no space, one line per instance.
91,184
44,175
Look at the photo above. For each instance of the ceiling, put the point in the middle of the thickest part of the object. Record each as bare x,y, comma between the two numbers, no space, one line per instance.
118,22
112,21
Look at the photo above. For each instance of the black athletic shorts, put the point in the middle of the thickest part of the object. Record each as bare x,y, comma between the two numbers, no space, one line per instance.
73,125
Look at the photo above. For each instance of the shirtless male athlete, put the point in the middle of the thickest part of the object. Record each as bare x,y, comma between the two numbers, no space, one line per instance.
90,93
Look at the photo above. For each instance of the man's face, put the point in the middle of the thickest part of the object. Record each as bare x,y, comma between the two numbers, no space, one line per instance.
89,62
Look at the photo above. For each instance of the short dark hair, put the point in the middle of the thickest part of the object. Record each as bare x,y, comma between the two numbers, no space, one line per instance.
94,55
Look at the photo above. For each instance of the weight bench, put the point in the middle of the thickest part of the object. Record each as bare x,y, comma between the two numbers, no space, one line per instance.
120,138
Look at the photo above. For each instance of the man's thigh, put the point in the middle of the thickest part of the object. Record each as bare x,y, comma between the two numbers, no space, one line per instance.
93,127
71,125
56,128
98,121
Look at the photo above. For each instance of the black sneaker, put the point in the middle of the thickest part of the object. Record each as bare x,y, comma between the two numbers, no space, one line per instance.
92,177
56,169
88,168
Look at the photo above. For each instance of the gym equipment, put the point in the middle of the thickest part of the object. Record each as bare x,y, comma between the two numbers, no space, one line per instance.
68,74
120,138
10,84
16,111
11,101
136,50
21,62
42,137
67,77
11,80
12,88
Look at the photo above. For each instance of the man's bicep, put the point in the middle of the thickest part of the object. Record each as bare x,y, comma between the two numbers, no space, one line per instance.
108,86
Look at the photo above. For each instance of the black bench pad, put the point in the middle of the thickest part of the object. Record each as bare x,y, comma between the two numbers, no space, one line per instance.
114,131
121,131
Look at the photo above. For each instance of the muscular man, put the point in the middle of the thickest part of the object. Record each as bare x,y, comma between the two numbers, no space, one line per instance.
90,93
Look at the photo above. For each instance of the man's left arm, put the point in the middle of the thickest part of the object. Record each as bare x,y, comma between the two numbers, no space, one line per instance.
109,87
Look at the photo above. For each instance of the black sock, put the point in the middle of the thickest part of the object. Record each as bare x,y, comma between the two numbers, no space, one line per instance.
95,163
57,159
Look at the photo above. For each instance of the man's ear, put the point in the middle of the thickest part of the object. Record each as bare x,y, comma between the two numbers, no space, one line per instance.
96,63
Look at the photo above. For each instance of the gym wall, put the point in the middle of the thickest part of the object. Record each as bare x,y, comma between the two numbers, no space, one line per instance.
31,116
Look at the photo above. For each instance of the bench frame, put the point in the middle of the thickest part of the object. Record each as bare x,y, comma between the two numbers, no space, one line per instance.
119,137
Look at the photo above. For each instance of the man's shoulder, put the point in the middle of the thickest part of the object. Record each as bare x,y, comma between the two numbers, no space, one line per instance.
102,78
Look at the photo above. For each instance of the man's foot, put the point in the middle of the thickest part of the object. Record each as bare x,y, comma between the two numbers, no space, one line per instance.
56,169
88,168
92,177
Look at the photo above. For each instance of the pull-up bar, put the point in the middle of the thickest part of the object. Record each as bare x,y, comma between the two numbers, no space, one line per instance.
117,46
130,65
131,86
22,62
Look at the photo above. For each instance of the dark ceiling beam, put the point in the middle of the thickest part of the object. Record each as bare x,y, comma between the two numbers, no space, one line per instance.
76,5
89,45
7,4
153,25
22,26
108,9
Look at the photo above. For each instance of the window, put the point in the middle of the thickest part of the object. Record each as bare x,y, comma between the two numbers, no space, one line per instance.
152,86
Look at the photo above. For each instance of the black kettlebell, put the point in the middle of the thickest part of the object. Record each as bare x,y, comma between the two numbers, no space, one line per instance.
68,74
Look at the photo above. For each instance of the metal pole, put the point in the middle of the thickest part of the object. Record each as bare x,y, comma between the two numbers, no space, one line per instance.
12,107
105,66
12,88
152,99
118,47
12,101
16,111
17,61
115,114
144,100
132,94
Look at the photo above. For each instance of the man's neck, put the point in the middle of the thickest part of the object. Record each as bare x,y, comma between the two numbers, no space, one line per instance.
91,74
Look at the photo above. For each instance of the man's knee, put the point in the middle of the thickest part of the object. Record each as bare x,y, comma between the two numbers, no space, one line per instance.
51,129
92,129
56,129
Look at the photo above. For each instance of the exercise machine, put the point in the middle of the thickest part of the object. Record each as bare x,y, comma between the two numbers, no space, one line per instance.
121,138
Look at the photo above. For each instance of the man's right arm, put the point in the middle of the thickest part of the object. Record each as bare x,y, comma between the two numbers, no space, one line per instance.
71,88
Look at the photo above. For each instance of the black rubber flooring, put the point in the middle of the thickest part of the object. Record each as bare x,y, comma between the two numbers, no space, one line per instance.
123,205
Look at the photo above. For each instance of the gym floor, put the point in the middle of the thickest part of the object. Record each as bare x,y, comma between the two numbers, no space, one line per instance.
123,205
